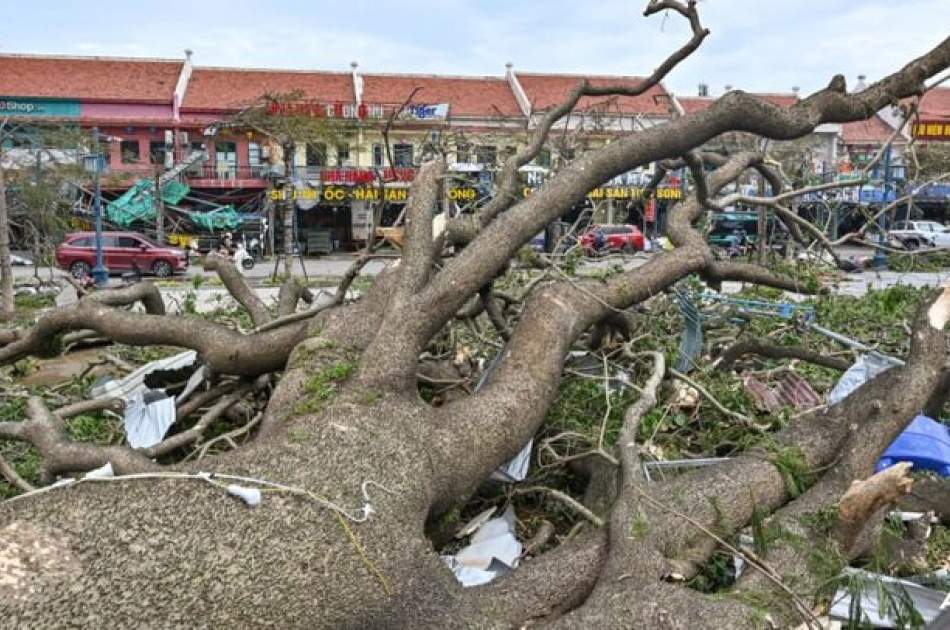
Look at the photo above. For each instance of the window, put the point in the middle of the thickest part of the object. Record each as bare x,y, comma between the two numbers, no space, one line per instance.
486,155
109,241
129,242
253,154
402,155
85,241
316,154
543,158
566,155
342,154
129,150
156,152
225,156
378,155
463,154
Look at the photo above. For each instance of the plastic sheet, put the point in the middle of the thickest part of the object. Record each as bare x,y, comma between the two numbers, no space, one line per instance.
494,551
863,370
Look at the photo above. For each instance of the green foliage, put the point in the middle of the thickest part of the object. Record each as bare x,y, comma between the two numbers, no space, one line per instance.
893,600
581,405
791,464
716,574
640,527
930,261
35,301
938,547
98,429
323,386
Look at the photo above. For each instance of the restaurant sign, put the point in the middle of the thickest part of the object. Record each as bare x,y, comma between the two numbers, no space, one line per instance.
38,107
340,194
932,130
631,193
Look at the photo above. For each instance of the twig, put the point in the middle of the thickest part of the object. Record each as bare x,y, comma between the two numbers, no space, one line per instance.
567,500
718,405
13,477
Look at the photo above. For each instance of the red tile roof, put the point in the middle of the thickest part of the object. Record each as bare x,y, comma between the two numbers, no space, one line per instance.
871,131
780,99
89,78
699,103
935,105
233,88
466,96
547,90
695,103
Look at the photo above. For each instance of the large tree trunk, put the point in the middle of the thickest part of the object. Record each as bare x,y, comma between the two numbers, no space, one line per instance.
7,304
363,463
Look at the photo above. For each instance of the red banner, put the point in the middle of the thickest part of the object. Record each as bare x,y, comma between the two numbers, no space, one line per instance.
649,213
365,175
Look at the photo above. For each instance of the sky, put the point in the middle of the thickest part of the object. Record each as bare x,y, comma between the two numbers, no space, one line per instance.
756,45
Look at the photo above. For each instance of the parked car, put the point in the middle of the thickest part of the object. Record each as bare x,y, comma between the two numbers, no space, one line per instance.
725,225
917,234
625,238
122,251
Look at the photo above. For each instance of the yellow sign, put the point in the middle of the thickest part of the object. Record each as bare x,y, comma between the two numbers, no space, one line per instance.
462,194
932,130
625,192
339,194
181,240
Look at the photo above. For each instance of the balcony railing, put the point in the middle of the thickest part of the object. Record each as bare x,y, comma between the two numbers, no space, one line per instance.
226,172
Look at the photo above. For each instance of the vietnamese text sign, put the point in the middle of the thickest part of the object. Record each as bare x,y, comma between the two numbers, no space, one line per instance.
625,192
932,130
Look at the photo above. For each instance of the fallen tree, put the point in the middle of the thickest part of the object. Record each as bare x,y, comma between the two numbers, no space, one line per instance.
356,469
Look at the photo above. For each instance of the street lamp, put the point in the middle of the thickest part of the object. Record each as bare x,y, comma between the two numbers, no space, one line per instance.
94,163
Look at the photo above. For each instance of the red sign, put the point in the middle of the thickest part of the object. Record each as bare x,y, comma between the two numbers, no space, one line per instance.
356,176
315,109
932,130
649,212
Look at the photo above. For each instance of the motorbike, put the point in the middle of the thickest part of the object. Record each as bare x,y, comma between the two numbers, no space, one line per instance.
247,256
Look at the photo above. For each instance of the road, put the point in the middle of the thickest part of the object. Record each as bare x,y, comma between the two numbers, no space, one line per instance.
333,266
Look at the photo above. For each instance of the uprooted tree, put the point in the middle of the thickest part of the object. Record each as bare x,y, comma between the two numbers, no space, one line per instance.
345,426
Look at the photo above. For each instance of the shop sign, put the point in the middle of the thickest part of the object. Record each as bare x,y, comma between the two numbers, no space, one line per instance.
36,107
932,130
462,193
340,194
625,193
365,175
320,109
426,112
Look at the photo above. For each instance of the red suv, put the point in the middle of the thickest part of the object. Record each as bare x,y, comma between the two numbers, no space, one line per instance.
626,238
121,251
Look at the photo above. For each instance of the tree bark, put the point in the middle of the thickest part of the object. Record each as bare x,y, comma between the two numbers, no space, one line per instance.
7,303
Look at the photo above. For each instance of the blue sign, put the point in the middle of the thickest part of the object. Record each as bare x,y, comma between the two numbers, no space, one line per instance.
38,107
876,195
932,191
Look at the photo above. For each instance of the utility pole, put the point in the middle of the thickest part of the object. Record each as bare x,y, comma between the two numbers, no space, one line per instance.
159,204
762,232
880,259
99,273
